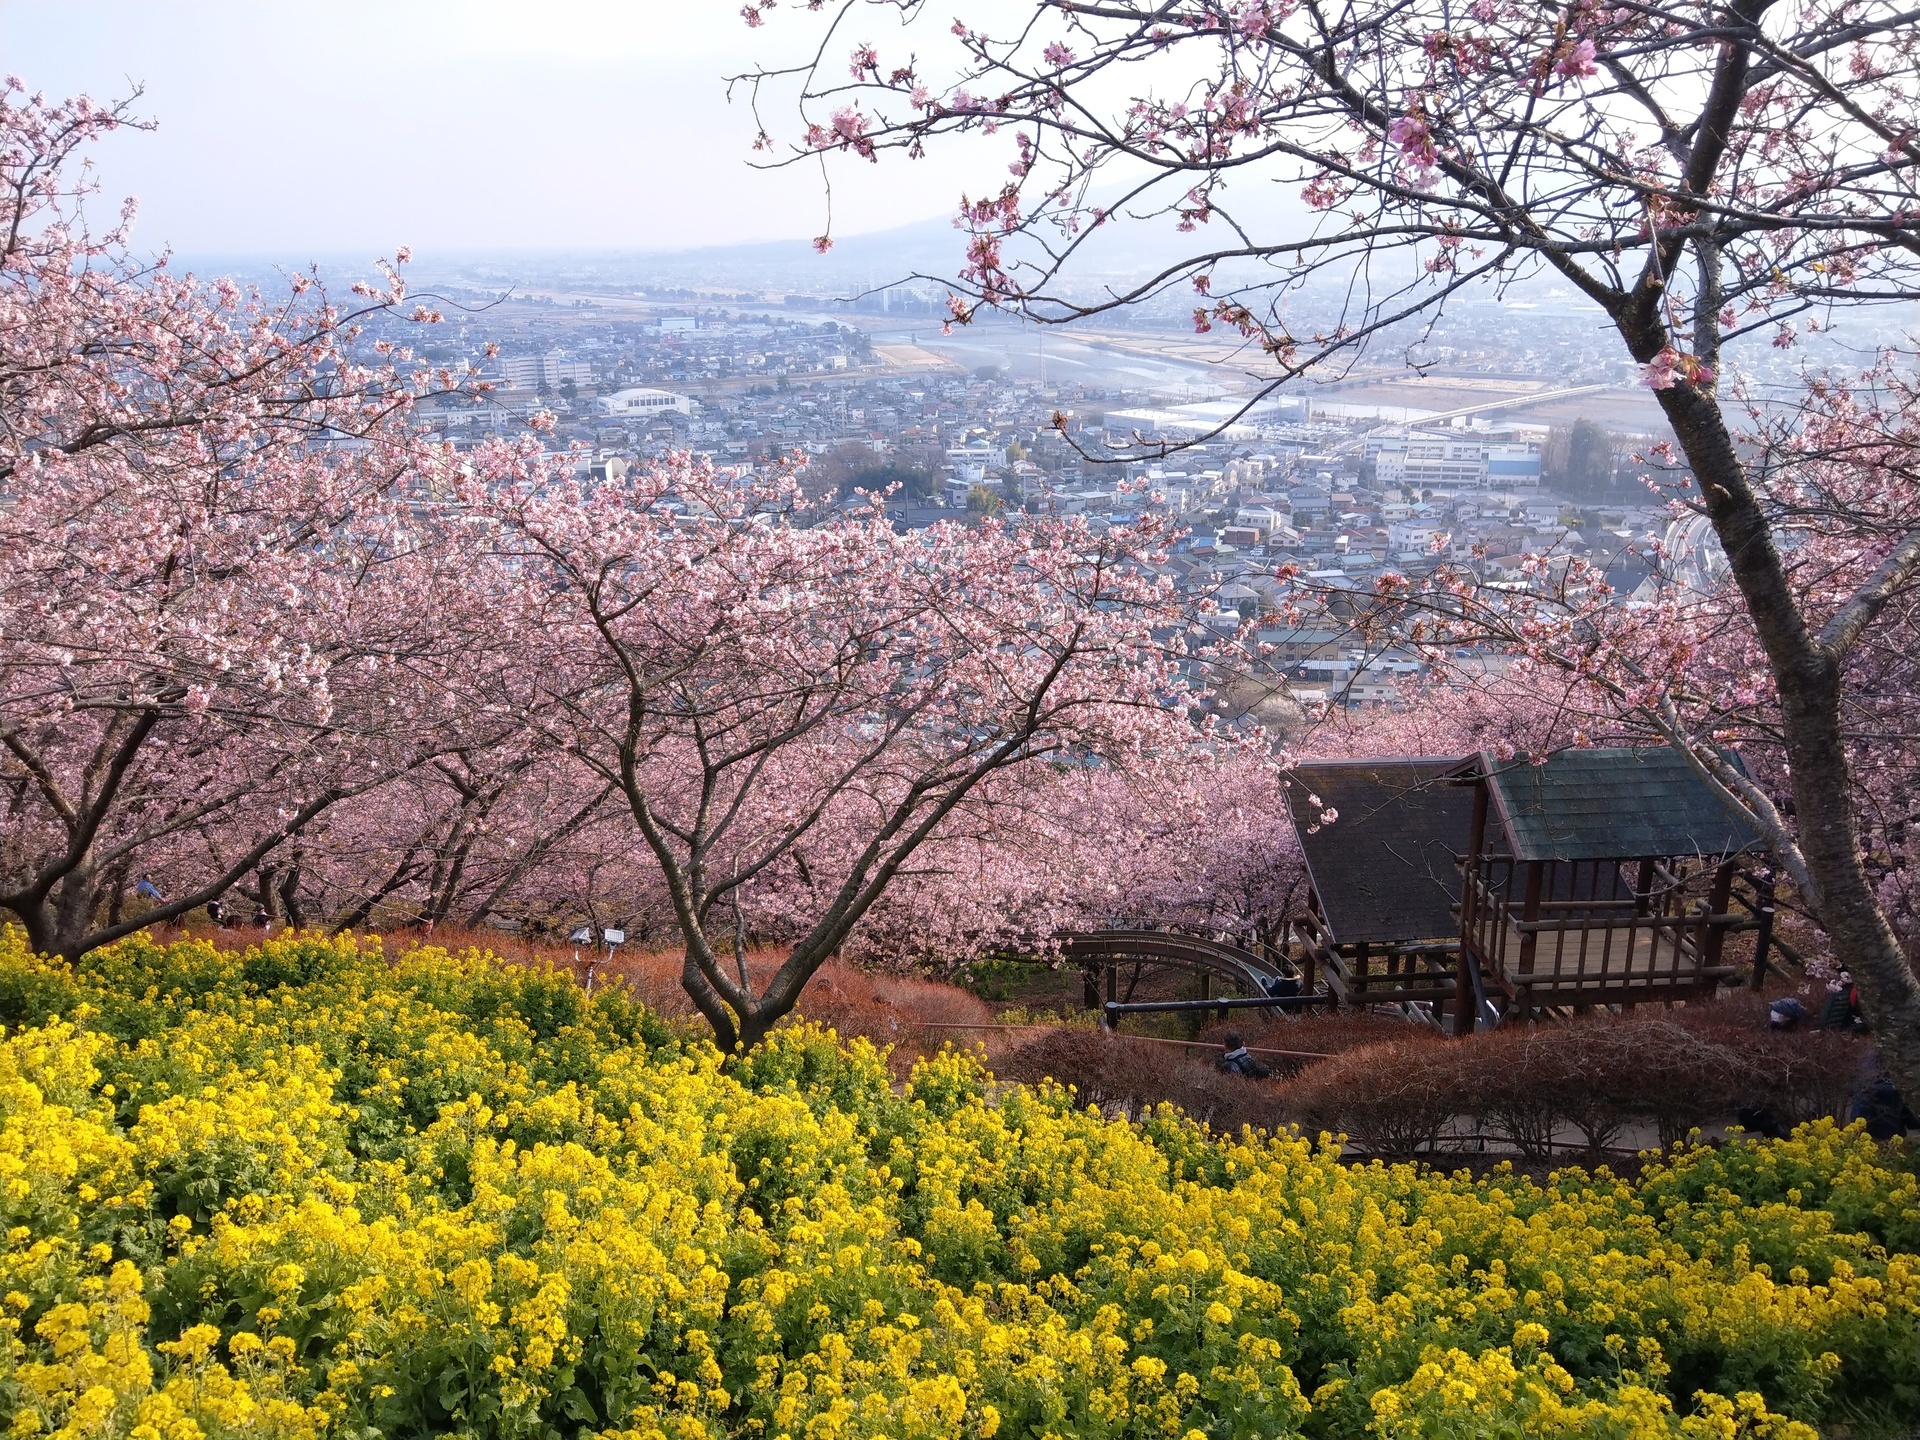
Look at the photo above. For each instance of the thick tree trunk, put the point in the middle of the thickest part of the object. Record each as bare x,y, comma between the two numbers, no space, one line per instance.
289,892
1809,680
726,1034
76,901
37,921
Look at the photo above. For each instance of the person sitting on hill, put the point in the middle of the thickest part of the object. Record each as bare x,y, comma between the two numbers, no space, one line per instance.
1842,1009
1236,1059
1876,1101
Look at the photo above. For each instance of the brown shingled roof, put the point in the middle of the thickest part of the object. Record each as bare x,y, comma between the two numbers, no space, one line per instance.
1383,871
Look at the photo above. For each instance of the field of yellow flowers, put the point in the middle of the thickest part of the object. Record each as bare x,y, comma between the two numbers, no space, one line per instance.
313,1189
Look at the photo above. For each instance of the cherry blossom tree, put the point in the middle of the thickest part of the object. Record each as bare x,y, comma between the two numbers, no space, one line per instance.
220,612
507,832
1191,838
1709,174
796,702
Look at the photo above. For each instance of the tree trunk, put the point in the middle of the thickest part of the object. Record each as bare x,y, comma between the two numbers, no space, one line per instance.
368,903
1808,678
268,897
289,892
711,1007
75,902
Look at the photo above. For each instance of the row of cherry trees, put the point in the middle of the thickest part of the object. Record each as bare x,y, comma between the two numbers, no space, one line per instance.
263,642
216,612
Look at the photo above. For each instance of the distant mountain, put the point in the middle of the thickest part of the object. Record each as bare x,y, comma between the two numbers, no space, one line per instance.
1109,258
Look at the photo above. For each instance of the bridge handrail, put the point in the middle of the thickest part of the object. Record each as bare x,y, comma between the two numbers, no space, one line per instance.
1248,969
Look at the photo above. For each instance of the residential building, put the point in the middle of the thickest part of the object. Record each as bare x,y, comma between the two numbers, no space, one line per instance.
551,369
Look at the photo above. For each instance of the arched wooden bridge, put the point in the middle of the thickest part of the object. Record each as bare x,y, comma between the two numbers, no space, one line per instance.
1252,974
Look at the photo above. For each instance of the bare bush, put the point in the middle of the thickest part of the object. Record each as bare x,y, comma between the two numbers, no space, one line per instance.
1129,1076
1501,1077
1793,1075
1596,1078
1396,1098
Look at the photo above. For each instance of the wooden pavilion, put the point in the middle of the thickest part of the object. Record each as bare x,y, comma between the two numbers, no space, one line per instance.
1599,877
1519,887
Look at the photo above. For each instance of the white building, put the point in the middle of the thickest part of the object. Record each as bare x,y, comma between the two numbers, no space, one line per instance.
551,369
1453,459
1405,535
1263,518
641,404
969,463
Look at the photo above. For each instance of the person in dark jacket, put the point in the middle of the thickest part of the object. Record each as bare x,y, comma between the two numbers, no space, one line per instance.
1235,1059
1842,1010
1785,1013
1877,1102
1283,987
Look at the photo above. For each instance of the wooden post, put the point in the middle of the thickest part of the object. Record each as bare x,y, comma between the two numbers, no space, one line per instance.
1713,943
1643,889
1308,975
1763,940
1090,986
1113,982
1529,940
1206,993
1464,1004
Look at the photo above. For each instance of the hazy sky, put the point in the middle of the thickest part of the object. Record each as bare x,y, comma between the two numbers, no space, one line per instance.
347,128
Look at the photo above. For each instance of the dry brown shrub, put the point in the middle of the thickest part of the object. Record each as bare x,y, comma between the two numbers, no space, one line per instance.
1807,1075
895,1010
1798,1075
1327,1032
1611,1071
1499,1080
1126,1075
654,977
1597,1077
1395,1098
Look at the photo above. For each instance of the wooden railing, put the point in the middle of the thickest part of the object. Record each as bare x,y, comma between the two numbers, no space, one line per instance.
1375,974
1618,942
1252,974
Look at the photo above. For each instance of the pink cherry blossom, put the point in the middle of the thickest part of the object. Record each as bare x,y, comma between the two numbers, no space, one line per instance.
1412,137
1578,62
215,626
